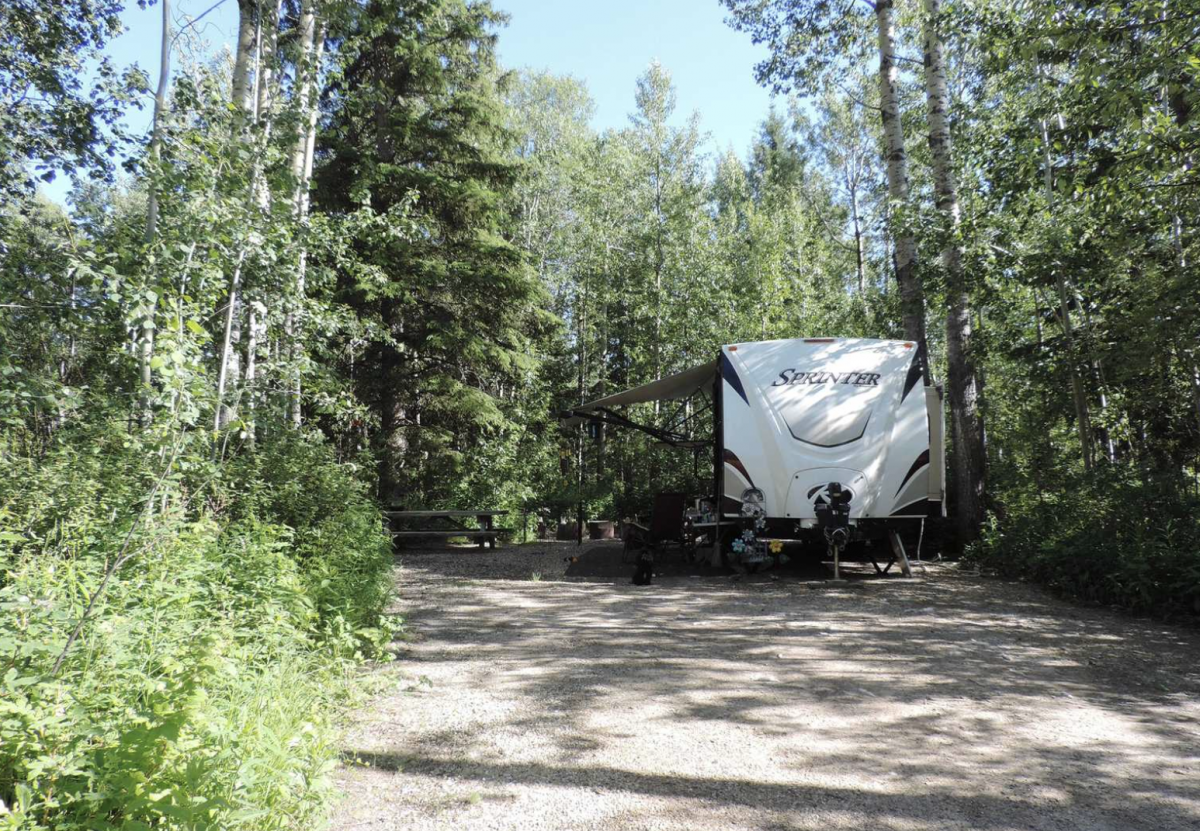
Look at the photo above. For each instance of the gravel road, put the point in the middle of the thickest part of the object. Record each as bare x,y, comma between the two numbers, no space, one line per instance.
948,701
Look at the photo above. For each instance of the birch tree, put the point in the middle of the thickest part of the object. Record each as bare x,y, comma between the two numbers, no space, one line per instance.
146,322
912,294
265,90
667,192
310,48
811,42
245,60
246,74
847,149
969,457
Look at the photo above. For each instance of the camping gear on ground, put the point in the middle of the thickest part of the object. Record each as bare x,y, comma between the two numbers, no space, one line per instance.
644,572
666,527
601,529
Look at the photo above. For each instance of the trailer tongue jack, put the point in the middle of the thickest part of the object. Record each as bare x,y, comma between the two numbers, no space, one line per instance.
833,518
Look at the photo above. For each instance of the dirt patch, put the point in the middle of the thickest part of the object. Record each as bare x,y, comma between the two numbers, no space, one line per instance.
948,701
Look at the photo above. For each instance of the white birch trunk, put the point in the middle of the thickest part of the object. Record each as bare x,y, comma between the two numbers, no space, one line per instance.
310,143
967,437
243,63
256,316
912,296
146,331
160,104
265,88
311,47
244,100
228,364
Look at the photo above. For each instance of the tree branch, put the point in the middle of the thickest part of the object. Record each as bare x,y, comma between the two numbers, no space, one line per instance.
196,20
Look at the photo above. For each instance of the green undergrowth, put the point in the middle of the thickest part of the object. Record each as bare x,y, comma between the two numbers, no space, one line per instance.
1103,539
205,687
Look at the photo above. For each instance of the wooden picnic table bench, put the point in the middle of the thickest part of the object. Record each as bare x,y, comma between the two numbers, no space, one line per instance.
445,524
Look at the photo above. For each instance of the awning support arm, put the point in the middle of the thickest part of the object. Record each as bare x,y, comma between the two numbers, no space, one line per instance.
607,416
680,418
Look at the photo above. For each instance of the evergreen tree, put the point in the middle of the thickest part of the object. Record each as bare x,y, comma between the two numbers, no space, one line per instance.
451,308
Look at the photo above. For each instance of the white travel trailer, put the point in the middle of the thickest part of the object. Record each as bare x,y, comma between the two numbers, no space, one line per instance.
804,426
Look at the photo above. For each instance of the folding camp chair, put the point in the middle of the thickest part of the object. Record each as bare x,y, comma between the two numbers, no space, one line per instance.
666,527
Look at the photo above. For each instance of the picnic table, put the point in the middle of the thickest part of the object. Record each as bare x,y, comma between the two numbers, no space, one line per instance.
445,524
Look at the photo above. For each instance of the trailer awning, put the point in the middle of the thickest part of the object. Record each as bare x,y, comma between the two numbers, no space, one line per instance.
672,388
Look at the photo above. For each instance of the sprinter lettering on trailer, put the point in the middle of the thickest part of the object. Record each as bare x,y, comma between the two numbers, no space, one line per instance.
854,379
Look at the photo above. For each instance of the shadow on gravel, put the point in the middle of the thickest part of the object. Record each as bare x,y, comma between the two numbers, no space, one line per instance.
928,703
914,808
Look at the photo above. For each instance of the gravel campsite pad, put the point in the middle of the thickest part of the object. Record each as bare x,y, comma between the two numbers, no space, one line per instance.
771,702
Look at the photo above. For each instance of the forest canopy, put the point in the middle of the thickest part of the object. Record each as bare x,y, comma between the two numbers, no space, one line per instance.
357,262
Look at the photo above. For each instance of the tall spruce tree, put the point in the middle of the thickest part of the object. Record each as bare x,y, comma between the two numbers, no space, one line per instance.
449,308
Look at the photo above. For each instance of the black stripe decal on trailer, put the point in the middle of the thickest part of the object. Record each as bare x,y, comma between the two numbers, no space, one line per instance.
913,378
918,508
732,459
921,461
731,376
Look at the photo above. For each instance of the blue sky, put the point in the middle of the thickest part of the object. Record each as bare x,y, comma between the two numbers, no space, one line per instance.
606,44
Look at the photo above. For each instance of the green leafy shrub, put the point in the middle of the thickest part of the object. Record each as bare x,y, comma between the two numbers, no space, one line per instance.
1103,539
339,545
202,691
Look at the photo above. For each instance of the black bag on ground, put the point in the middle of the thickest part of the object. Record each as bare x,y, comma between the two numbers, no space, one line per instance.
645,569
